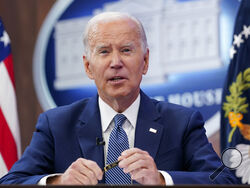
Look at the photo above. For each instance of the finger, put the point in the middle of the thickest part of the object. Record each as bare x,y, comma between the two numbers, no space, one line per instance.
134,158
147,176
71,177
93,170
85,171
89,174
83,179
139,174
132,151
132,175
132,166
84,176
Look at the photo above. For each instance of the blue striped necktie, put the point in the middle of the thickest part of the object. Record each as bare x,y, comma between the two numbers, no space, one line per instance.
118,142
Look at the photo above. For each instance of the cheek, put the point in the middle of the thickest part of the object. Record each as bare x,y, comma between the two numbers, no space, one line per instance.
99,73
96,68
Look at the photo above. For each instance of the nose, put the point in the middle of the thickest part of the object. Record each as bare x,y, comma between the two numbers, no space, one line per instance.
116,61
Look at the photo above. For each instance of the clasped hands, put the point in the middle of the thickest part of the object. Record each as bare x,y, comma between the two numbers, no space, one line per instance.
138,163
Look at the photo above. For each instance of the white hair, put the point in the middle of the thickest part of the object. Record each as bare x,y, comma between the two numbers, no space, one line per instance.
108,17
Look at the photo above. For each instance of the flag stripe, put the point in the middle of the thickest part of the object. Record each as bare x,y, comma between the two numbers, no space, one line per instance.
7,140
8,104
3,168
9,66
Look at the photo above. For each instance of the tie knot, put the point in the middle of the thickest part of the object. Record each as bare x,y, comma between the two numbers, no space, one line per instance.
119,119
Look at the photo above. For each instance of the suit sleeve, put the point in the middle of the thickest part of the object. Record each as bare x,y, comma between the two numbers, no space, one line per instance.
200,160
37,160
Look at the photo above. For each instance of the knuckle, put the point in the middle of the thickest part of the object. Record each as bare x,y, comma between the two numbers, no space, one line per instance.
74,165
79,160
92,164
137,155
141,163
135,149
92,175
85,180
70,173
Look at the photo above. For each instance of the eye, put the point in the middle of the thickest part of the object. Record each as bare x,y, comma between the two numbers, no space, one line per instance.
103,52
126,50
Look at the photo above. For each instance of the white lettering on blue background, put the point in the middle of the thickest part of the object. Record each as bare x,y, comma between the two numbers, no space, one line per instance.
197,98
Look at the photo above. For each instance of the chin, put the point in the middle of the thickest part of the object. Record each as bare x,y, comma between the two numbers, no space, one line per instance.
123,94
118,95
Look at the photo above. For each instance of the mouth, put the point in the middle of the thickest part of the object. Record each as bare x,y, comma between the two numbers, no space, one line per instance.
116,78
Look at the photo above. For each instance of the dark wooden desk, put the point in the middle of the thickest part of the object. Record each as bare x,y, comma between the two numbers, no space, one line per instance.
130,186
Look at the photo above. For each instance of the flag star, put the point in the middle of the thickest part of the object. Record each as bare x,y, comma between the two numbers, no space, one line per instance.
232,52
5,38
238,40
246,31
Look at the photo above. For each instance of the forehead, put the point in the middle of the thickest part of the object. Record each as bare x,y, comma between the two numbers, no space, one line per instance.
115,31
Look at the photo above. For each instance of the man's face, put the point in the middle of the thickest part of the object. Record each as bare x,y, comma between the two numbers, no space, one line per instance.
117,60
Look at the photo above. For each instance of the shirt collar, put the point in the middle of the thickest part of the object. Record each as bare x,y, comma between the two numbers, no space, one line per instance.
107,113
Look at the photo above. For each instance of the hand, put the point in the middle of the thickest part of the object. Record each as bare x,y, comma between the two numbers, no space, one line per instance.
80,172
141,167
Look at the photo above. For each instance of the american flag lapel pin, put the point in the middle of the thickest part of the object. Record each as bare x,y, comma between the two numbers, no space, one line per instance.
152,130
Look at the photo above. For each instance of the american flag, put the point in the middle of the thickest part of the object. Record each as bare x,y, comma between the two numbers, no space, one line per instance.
10,148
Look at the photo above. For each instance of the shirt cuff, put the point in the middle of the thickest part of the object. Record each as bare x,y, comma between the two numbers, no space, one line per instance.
168,179
43,181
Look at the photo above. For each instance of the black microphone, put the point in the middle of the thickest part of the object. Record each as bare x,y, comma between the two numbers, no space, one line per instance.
100,142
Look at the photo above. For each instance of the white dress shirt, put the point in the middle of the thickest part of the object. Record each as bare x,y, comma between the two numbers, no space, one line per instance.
107,114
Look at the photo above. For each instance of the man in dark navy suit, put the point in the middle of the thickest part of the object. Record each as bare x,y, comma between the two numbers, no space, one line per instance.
167,144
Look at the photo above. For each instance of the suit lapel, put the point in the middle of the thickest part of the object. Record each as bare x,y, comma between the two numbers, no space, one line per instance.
148,131
147,134
88,129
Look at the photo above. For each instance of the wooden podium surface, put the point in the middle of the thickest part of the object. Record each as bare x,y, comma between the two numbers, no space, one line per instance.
125,186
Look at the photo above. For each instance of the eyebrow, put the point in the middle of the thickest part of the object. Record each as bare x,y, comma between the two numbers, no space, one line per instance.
131,44
101,47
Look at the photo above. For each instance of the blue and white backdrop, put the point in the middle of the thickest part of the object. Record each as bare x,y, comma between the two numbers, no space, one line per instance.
189,44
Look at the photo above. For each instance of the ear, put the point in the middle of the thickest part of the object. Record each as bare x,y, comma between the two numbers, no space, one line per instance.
87,67
146,62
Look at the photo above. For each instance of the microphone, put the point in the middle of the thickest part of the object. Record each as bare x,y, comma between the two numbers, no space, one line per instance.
100,142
